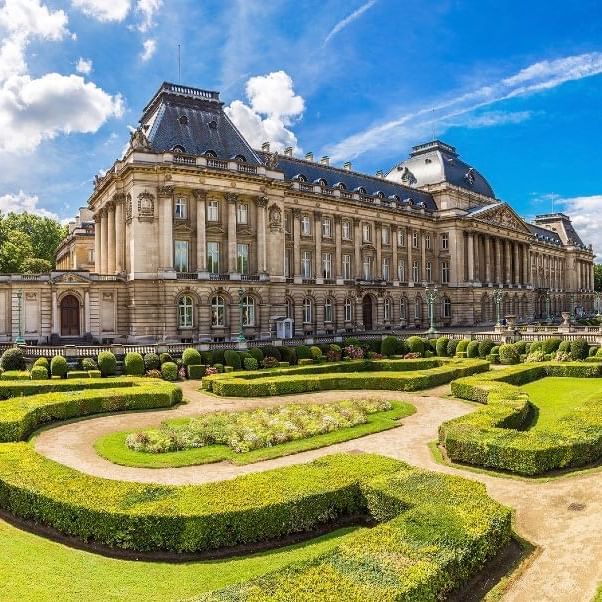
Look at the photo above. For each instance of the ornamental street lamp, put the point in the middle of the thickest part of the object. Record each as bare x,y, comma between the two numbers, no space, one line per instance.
20,340
498,295
431,296
597,297
547,298
241,335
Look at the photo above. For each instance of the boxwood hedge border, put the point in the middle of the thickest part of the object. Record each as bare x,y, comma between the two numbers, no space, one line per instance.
497,436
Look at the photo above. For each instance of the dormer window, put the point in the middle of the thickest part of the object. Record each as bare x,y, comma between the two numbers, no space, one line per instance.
178,148
210,154
300,178
321,182
183,120
360,190
240,158
340,186
379,194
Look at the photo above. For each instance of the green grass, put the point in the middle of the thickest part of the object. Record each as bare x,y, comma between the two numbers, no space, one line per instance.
112,447
557,398
34,568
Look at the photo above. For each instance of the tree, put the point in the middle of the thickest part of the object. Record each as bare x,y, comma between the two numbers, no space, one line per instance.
35,265
14,250
598,277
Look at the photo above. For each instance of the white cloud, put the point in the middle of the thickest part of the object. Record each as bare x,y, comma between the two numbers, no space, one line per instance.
84,66
356,14
493,118
104,10
22,202
147,10
409,127
586,215
149,48
273,106
33,110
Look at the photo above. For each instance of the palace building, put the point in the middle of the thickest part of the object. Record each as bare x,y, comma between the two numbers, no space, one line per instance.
193,235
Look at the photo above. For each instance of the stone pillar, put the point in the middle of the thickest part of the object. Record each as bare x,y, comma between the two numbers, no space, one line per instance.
297,244
201,232
357,239
110,238
97,243
262,254
338,267
55,314
87,312
409,271
498,261
470,251
487,260
423,255
104,257
318,239
395,259
477,258
119,200
508,262
525,252
516,265
378,271
231,200
166,228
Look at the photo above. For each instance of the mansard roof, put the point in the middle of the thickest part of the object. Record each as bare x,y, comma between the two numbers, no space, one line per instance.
191,120
545,235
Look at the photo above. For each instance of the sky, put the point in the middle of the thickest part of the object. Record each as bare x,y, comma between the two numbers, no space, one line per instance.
514,86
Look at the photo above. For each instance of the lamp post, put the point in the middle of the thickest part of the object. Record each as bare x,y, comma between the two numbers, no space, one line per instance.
20,340
431,296
547,297
498,295
597,301
241,334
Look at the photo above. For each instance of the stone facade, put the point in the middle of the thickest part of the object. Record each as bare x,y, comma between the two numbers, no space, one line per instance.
197,235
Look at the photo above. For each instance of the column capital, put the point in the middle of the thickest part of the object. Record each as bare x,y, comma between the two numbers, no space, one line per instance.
166,191
356,221
119,197
199,194
394,228
110,206
317,215
296,212
262,201
98,216
231,197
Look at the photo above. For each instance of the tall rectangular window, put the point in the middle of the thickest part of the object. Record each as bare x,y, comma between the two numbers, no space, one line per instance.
385,235
288,218
415,239
415,272
445,241
242,213
213,211
346,229
213,257
401,238
288,263
305,225
429,271
367,232
326,227
327,265
181,255
306,261
368,262
428,241
444,272
346,267
386,270
401,270
242,258
181,208
348,308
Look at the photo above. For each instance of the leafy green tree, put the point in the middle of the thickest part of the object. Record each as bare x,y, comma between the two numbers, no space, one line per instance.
598,276
35,265
14,250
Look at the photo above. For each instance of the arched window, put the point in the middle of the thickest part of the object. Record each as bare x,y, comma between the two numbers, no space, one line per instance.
240,158
387,308
348,310
218,311
446,307
290,309
210,154
178,148
328,310
340,186
308,311
185,311
300,178
248,311
360,190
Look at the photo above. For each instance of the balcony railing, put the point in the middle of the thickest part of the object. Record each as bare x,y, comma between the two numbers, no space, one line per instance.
249,277
219,276
186,275
217,163
246,168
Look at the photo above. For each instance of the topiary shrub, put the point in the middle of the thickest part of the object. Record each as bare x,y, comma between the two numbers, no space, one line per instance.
219,367
256,353
272,362
98,374
389,346
593,350
485,347
165,357
303,352
302,362
191,357
564,347
334,353
232,358
579,349
441,345
89,364
196,371
169,371
451,347
415,345
461,346
288,355
152,362
250,363
521,347
271,351
430,345
107,363
551,345
133,364
78,374
316,353
58,366
509,354
472,350
42,361
39,373
13,359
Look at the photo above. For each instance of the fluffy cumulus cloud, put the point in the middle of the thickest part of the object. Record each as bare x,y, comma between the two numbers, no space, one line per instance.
83,66
104,10
273,107
147,9
586,214
148,50
21,202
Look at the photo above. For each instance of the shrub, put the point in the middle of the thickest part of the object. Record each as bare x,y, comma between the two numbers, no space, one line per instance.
430,345
250,363
415,345
579,349
89,364
563,356
154,374
472,350
442,343
42,361
58,366
599,352
551,345
334,353
485,347
461,346
207,357
535,356
39,373
13,359
593,350
15,375
107,363
152,362
389,346
228,369
232,358
165,357
352,352
272,351
303,352
78,374
302,362
495,350
508,354
191,357
283,364
210,371
521,347
134,364
451,347
95,373
316,353
169,371
219,367
257,353
565,347
272,362
288,355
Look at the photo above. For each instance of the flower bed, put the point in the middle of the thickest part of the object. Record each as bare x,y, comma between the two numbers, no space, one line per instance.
396,375
496,436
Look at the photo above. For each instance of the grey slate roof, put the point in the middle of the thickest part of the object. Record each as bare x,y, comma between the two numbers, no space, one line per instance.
544,234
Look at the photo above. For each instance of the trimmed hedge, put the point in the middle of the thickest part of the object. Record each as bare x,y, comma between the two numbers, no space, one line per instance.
15,375
152,362
39,373
78,374
389,346
579,349
395,375
496,436
13,359
42,361
508,354
442,345
485,347
191,357
196,372
169,371
107,363
415,345
451,347
250,363
472,349
133,364
21,415
232,358
58,366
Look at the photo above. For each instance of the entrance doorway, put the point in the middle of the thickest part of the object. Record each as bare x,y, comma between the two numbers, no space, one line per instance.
70,316
367,312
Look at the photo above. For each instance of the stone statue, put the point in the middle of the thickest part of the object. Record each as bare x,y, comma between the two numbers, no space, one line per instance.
138,140
271,160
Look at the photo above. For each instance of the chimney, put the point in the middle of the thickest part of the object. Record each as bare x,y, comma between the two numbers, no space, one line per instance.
325,160
265,147
288,151
380,174
347,166
309,156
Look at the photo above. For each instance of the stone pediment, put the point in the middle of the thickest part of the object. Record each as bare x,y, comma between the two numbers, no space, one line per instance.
70,279
182,228
502,216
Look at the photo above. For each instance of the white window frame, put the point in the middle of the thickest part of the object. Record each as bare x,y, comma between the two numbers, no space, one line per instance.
328,310
213,210
242,258
415,239
242,213
401,270
348,310
346,266
185,312
179,246
418,308
429,271
326,227
306,264
444,272
248,311
346,229
385,234
428,241
386,269
368,267
367,232
446,307
401,238
305,225
445,241
213,260
387,308
218,311
181,208
327,265
415,271
308,310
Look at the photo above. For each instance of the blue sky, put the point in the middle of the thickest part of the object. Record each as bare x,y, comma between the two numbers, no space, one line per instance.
515,87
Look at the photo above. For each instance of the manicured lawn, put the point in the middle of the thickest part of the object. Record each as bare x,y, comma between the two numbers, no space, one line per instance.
33,568
558,397
113,447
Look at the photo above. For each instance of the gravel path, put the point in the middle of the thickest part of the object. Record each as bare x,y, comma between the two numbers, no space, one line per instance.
562,516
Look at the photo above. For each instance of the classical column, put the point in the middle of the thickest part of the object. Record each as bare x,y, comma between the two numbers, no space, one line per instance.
111,238
104,257
470,251
394,240
409,271
525,252
498,261
97,243
231,200
262,255
357,238
119,200
297,243
338,268
508,262
318,239
516,265
487,243
477,258
87,312
201,231
423,255
166,228
378,272
55,314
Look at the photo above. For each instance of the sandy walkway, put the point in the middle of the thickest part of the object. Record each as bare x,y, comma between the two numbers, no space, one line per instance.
563,516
